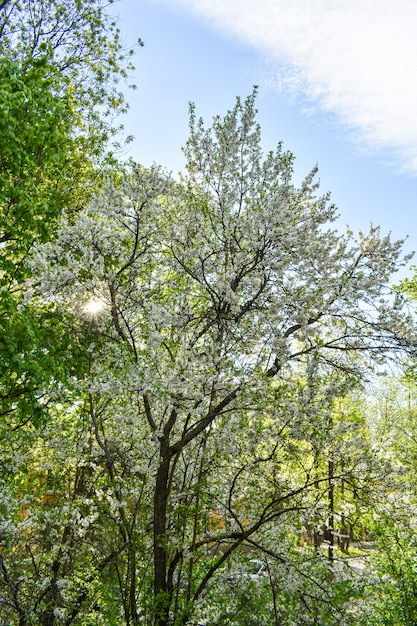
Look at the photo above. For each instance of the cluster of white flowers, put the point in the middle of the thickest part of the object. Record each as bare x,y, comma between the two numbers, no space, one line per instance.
214,324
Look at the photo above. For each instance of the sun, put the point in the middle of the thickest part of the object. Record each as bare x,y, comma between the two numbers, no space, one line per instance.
93,307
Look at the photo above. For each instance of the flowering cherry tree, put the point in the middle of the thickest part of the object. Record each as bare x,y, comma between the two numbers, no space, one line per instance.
199,310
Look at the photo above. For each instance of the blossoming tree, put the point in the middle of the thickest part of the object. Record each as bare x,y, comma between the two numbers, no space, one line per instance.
186,434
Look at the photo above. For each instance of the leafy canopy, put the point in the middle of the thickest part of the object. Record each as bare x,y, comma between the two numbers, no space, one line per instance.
232,316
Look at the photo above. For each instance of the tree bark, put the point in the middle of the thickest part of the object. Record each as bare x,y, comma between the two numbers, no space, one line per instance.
162,599
331,510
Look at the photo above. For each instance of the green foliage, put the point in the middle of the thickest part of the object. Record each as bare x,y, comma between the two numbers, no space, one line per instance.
392,595
299,588
34,348
191,346
37,157
85,45
61,62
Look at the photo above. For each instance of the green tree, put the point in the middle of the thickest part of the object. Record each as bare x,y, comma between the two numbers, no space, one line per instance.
61,62
391,589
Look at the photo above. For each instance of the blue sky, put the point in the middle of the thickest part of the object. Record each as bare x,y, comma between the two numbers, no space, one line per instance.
337,84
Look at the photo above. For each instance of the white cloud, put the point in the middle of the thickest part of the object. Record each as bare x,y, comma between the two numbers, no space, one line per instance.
355,58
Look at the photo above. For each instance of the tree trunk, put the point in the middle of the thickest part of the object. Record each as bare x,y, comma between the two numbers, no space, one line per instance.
162,597
331,510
